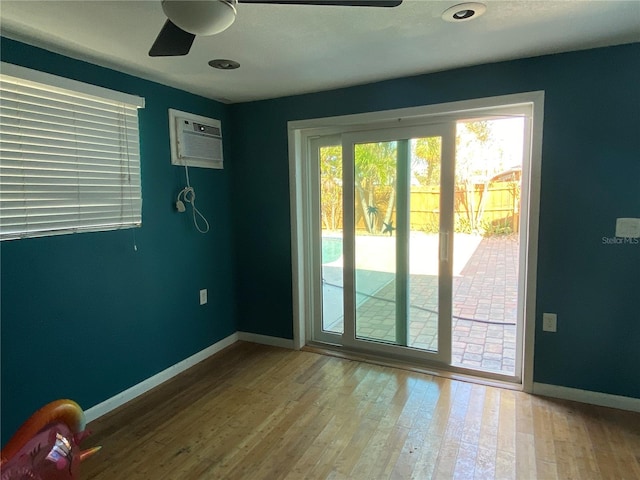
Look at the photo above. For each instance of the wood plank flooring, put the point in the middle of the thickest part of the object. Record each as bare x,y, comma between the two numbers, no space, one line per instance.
258,412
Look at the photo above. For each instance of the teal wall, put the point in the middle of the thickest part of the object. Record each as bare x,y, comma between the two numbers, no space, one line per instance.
84,316
590,176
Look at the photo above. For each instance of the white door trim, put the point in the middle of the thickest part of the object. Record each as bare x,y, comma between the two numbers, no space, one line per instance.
300,131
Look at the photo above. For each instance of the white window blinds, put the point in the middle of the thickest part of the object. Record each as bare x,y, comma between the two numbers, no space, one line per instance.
69,156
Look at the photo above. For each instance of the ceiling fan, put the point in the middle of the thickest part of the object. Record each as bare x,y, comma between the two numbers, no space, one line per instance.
188,18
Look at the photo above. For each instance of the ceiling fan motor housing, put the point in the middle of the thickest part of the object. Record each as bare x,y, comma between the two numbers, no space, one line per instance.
201,17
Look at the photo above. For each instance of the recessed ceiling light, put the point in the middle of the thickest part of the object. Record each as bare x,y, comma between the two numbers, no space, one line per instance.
222,64
464,12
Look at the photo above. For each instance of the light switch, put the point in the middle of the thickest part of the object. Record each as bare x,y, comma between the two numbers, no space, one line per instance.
628,227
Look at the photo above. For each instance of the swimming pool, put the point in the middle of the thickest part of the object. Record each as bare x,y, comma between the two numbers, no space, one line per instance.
331,249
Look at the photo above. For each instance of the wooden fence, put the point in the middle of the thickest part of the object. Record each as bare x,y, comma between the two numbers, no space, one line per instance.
490,209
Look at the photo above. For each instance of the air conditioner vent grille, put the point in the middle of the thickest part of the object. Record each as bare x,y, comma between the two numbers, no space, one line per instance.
195,141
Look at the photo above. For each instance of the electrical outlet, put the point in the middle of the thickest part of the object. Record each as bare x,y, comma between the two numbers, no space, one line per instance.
203,296
549,322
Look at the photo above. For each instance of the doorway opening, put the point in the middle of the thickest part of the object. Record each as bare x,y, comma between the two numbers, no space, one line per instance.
418,236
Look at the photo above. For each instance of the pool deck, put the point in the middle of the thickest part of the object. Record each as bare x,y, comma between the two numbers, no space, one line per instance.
484,306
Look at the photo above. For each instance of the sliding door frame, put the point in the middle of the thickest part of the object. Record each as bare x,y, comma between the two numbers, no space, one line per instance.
300,133
445,131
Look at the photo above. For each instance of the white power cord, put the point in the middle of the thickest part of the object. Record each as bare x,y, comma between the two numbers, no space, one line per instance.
188,195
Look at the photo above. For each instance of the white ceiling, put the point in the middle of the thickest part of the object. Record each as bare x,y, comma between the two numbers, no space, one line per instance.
285,50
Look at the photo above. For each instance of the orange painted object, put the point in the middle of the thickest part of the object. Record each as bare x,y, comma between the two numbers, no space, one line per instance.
46,447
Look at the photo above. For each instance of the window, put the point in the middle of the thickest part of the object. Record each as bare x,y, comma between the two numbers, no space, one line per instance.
69,156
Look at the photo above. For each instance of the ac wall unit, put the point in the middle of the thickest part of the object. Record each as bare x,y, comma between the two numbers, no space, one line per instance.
195,141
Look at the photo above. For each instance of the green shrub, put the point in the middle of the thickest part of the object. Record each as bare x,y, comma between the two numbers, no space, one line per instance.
490,229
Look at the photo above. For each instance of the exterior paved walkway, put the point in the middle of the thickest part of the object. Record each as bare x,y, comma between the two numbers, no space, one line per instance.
487,291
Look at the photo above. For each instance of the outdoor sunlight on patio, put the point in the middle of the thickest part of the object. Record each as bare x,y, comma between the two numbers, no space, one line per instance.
484,296
484,219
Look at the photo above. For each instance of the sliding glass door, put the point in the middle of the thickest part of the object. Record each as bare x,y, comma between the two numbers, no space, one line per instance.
413,242
384,252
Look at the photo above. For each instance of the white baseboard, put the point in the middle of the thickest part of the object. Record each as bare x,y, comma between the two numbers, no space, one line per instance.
586,396
123,397
266,340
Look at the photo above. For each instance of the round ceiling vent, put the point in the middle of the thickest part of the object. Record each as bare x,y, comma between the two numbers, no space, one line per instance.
464,12
223,64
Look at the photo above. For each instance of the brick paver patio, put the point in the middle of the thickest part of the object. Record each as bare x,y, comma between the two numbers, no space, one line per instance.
484,308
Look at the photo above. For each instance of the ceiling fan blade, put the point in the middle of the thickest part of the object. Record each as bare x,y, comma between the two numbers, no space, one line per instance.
172,41
335,3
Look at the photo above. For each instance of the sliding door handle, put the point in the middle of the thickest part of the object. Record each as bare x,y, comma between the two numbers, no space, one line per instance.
444,246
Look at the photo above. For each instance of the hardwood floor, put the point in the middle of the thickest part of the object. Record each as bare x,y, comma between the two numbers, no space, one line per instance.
258,412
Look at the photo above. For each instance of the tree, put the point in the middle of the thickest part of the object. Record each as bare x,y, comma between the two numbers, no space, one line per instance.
474,141
425,162
331,187
375,167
